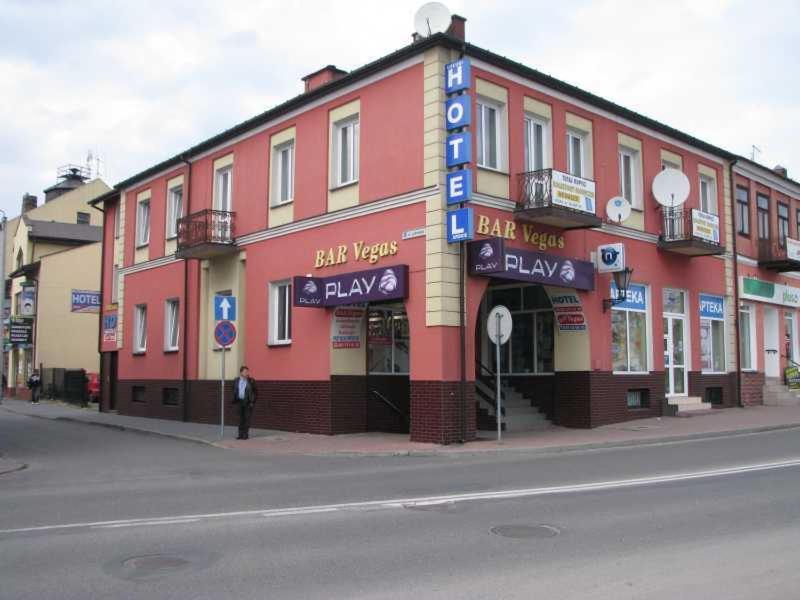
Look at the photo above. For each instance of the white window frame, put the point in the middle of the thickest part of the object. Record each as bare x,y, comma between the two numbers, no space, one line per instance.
172,327
576,134
276,288
280,169
174,210
142,223
530,123
634,194
223,187
350,125
648,332
482,135
708,203
140,329
750,311
117,220
114,284
724,344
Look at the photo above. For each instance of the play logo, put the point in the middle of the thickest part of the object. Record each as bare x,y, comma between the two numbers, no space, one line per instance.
310,288
486,251
388,282
567,272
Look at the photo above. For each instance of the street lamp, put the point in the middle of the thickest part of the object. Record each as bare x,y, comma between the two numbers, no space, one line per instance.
622,279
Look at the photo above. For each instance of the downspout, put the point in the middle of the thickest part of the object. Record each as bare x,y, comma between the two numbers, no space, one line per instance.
100,319
187,211
736,285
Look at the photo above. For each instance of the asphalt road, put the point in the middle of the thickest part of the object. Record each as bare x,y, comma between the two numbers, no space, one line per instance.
101,513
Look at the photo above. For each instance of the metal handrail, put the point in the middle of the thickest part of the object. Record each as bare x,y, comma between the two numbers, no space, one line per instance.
391,405
490,400
207,226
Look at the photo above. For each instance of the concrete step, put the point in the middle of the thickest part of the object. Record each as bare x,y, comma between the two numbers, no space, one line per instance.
695,413
684,400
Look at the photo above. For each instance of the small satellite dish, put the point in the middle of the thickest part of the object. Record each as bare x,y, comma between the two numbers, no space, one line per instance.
618,209
671,188
433,17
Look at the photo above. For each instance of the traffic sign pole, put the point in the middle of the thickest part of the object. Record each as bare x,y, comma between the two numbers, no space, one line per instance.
222,395
498,317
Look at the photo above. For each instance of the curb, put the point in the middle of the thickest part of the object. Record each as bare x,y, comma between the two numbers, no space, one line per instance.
18,467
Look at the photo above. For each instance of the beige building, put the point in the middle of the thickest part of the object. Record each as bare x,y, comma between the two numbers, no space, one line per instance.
53,256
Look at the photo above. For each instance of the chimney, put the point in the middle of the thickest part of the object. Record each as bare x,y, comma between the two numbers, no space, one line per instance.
458,28
29,202
324,75
779,170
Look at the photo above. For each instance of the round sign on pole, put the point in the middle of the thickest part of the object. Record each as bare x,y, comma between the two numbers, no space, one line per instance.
225,333
505,324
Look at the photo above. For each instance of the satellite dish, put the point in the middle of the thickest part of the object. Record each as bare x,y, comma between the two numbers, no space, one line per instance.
671,188
433,17
618,209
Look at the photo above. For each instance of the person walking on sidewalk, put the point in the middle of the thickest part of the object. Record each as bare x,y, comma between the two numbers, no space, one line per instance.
244,394
35,386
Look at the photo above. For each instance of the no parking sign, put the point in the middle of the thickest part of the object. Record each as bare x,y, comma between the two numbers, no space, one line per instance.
225,333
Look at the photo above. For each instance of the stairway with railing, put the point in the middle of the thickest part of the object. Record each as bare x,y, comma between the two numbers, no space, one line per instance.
517,411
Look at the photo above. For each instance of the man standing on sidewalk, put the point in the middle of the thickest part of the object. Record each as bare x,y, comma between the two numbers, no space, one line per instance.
35,386
244,394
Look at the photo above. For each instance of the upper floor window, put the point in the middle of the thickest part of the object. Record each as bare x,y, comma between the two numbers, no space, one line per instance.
537,137
668,164
346,142
708,195
783,224
629,169
487,134
224,189
576,152
143,223
114,284
140,328
762,210
743,210
283,161
171,324
174,210
280,312
117,220
83,218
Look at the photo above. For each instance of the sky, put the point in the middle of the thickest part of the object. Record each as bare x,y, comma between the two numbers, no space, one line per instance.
138,82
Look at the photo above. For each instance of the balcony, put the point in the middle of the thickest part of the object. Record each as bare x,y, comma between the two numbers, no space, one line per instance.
206,234
690,232
777,257
556,199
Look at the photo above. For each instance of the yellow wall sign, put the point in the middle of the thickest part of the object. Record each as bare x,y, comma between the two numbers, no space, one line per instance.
370,253
508,230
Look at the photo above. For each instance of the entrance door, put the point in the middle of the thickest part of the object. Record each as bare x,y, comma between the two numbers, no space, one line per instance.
675,355
789,337
771,342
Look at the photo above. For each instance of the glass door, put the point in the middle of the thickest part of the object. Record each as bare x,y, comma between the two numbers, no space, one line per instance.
675,355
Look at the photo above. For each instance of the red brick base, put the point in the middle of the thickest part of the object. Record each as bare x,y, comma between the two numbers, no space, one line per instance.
752,388
437,414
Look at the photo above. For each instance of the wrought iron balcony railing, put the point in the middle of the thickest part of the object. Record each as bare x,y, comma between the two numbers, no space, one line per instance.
682,224
556,199
204,228
779,256
535,189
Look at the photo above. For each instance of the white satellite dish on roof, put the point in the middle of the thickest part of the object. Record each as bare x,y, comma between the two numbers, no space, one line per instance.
671,187
618,209
433,17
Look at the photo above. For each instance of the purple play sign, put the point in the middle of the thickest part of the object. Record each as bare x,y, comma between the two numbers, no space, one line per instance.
372,285
491,257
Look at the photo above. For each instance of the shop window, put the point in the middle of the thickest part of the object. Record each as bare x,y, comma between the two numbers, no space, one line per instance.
783,224
137,394
174,210
576,152
638,398
280,313
346,142
171,324
169,396
712,333
143,223
629,331
388,342
537,138
746,338
283,161
531,349
489,134
762,211
140,329
708,195
743,211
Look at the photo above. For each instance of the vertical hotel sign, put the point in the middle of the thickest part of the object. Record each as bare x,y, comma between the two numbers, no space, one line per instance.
458,149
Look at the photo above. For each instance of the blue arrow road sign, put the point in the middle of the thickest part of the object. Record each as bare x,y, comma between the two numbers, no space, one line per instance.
224,308
459,225
225,333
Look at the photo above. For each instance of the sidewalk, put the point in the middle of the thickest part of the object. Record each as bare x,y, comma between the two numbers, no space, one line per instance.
729,421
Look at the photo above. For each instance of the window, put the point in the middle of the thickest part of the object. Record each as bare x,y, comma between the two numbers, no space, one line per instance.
174,210
389,339
171,324
712,333
638,398
143,223
283,160
487,134
280,313
576,153
708,195
83,218
346,140
169,396
140,329
629,331
224,184
743,210
537,136
762,210
114,284
668,164
137,393
117,210
628,176
783,224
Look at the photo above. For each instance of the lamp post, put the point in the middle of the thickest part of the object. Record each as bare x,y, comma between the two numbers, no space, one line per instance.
622,279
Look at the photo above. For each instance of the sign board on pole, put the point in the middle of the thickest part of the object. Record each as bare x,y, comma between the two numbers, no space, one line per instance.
505,324
225,333
224,308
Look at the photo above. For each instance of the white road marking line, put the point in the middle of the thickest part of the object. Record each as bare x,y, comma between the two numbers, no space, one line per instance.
420,501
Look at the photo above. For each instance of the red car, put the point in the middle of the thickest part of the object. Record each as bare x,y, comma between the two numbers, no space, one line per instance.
93,387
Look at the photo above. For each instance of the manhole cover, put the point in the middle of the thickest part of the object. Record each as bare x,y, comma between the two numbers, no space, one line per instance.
153,566
526,532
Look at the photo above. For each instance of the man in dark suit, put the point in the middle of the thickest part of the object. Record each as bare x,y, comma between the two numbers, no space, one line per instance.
244,394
